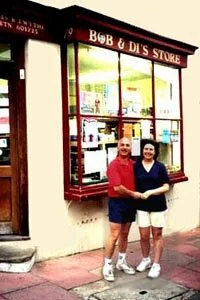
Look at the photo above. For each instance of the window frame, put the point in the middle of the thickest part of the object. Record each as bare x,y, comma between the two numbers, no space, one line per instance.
77,34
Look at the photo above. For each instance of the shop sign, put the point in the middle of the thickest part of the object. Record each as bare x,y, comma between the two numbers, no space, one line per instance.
21,26
130,46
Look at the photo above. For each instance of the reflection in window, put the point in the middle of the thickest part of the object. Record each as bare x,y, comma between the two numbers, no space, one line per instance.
5,52
168,134
71,78
166,92
4,124
98,81
118,96
98,147
136,86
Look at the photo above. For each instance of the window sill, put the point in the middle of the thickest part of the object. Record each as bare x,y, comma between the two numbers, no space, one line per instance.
178,177
96,191
86,192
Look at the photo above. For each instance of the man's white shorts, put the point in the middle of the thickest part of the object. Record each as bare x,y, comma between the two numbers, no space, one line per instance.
155,219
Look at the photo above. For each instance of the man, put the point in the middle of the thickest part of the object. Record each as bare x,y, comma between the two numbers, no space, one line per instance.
121,208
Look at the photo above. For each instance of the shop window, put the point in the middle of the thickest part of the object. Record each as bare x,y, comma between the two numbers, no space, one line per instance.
136,79
5,52
5,55
4,124
110,95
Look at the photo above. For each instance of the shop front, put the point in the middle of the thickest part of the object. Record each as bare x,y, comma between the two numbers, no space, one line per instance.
120,81
72,82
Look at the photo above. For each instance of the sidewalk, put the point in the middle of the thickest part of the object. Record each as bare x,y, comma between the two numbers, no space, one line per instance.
79,276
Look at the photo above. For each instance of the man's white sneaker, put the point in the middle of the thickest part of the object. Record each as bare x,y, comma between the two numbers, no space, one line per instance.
108,272
123,266
155,271
144,265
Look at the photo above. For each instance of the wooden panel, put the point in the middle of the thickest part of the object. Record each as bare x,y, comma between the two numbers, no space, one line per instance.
5,199
5,171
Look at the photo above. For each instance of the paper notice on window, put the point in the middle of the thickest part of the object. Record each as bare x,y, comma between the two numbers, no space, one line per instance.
128,130
4,120
137,128
135,150
145,128
3,143
165,136
95,161
4,101
112,153
90,133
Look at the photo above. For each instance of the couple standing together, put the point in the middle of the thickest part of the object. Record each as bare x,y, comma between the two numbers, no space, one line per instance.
136,187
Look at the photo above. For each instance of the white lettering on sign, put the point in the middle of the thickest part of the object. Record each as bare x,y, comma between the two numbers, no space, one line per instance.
145,50
20,25
138,48
133,47
121,43
101,37
166,56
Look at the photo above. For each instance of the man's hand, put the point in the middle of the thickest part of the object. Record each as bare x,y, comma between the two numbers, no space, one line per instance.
146,194
137,195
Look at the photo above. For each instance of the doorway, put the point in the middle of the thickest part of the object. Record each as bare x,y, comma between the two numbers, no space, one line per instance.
13,160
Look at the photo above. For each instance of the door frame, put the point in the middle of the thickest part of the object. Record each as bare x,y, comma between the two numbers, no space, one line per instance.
17,94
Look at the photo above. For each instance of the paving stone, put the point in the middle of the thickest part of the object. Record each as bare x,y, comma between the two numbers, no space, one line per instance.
11,281
46,291
66,277
86,291
127,287
188,295
195,266
189,250
142,290
195,297
195,241
188,278
175,258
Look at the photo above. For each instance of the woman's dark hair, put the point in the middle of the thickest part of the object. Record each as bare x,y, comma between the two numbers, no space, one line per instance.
156,145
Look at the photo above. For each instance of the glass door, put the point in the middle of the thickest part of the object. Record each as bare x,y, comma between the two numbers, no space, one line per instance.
9,216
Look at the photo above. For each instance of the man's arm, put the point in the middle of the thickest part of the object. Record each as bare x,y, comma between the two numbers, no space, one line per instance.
122,190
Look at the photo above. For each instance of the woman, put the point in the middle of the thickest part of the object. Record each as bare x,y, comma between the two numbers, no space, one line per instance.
152,181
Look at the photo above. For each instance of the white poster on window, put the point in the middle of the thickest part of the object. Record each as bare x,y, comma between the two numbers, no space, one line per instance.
4,120
90,133
3,143
112,153
95,161
145,129
4,101
135,150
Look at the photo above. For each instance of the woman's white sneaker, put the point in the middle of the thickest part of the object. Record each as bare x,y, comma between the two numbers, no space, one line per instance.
155,271
144,264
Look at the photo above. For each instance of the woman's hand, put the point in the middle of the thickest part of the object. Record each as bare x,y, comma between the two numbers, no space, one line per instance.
146,194
161,190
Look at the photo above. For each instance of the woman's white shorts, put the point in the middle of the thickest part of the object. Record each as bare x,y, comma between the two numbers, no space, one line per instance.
155,219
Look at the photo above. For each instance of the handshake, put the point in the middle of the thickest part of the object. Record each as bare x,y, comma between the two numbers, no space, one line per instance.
143,196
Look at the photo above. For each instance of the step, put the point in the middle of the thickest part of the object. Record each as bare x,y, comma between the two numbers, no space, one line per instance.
16,259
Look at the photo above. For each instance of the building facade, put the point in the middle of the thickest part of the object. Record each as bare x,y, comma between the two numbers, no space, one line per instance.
73,81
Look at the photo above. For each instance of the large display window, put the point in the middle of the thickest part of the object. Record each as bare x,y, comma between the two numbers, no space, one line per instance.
118,81
113,95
